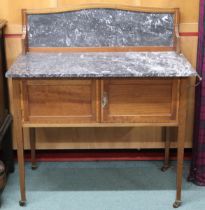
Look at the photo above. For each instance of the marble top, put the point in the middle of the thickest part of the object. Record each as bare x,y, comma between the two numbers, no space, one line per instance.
100,65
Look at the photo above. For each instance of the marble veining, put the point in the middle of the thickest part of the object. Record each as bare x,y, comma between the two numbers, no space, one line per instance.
100,28
100,65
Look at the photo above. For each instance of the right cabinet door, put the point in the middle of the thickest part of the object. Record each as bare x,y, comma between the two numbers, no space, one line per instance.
139,100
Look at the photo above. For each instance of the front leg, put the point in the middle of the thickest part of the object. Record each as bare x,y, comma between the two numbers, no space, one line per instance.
18,133
181,139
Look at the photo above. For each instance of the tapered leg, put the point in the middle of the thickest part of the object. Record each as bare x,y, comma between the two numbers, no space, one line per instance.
167,149
33,148
180,156
181,139
18,134
20,153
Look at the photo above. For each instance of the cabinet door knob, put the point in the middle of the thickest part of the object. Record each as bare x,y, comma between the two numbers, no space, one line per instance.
104,100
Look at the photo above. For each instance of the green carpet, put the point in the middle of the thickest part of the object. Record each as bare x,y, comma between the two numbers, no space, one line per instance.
115,185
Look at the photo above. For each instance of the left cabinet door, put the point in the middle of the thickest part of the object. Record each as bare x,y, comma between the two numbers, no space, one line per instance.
59,101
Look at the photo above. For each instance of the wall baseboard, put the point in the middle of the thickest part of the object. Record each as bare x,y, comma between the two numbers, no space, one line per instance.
102,155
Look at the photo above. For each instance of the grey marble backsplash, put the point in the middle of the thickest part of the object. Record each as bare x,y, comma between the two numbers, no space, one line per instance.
100,28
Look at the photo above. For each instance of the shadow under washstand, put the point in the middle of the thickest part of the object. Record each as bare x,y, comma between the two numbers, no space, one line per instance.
102,176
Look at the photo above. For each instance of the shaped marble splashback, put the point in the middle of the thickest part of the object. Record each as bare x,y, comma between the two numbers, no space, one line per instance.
100,28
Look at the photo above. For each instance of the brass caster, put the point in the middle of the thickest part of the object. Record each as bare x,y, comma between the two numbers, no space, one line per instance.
165,168
22,203
34,167
177,204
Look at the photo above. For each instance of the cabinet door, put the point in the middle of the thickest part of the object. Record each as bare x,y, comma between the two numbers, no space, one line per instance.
59,101
139,100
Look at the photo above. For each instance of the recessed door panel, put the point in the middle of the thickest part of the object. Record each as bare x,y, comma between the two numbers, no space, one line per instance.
59,101
139,100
